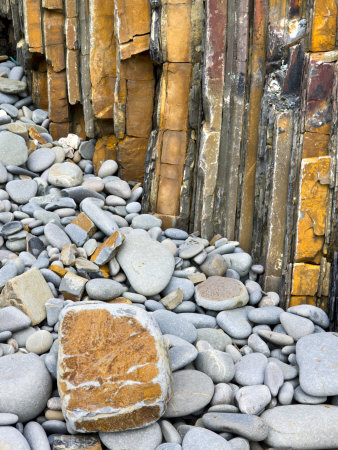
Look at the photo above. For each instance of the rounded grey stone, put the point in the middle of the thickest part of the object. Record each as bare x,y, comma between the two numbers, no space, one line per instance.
253,399
25,385
275,337
289,372
313,426
241,262
219,366
146,222
41,159
171,323
273,377
147,438
250,369
65,175
267,315
13,149
200,320
317,315
235,322
175,233
286,392
22,336
12,439
12,319
8,419
199,438
217,338
317,358
296,326
104,289
56,236
118,187
181,356
186,286
246,425
169,446
301,397
147,264
21,190
36,436
192,391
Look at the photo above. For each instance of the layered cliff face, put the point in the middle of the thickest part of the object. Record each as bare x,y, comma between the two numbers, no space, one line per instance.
226,109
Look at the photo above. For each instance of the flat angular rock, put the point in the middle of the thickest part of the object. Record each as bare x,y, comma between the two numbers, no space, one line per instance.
192,391
147,264
103,350
72,286
105,252
220,293
246,425
28,292
302,426
25,385
317,358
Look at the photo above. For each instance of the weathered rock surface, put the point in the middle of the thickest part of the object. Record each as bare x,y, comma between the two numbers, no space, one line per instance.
121,338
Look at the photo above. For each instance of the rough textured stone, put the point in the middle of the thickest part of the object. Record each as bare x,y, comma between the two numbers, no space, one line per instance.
219,293
28,292
68,442
139,356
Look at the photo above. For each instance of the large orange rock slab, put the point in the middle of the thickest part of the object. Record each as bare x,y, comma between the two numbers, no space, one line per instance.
57,96
314,180
53,22
305,279
323,27
113,368
102,57
131,156
33,30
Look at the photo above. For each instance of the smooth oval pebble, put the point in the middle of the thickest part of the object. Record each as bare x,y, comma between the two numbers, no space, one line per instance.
253,399
56,236
235,322
36,436
171,323
65,175
147,438
21,191
146,221
12,439
104,289
219,366
250,369
267,315
41,159
8,419
39,342
201,439
192,391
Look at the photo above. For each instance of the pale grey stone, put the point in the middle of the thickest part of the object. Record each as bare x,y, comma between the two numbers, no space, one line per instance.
317,315
108,167
250,369
273,378
185,285
147,438
235,322
301,397
21,190
12,319
25,385
286,392
147,264
317,357
146,221
302,426
199,320
120,188
171,323
56,236
240,262
246,425
217,338
253,399
192,391
223,394
296,326
289,372
65,175
198,438
36,436
39,342
41,159
219,366
175,233
101,219
170,434
8,419
276,338
104,289
22,336
12,439
267,315
258,345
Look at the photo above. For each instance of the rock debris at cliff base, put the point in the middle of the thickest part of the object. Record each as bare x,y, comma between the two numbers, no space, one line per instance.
117,333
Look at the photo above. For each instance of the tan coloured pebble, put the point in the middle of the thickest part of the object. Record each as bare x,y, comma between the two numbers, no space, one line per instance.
51,414
39,342
68,254
94,183
198,278
172,300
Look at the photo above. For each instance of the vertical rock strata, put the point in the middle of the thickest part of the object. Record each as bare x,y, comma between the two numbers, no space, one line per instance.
222,108
111,355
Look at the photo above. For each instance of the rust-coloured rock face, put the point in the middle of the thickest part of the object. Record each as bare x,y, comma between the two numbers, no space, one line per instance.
113,368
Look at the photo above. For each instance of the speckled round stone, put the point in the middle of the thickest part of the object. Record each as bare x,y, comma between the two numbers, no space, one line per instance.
39,342
220,293
65,175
